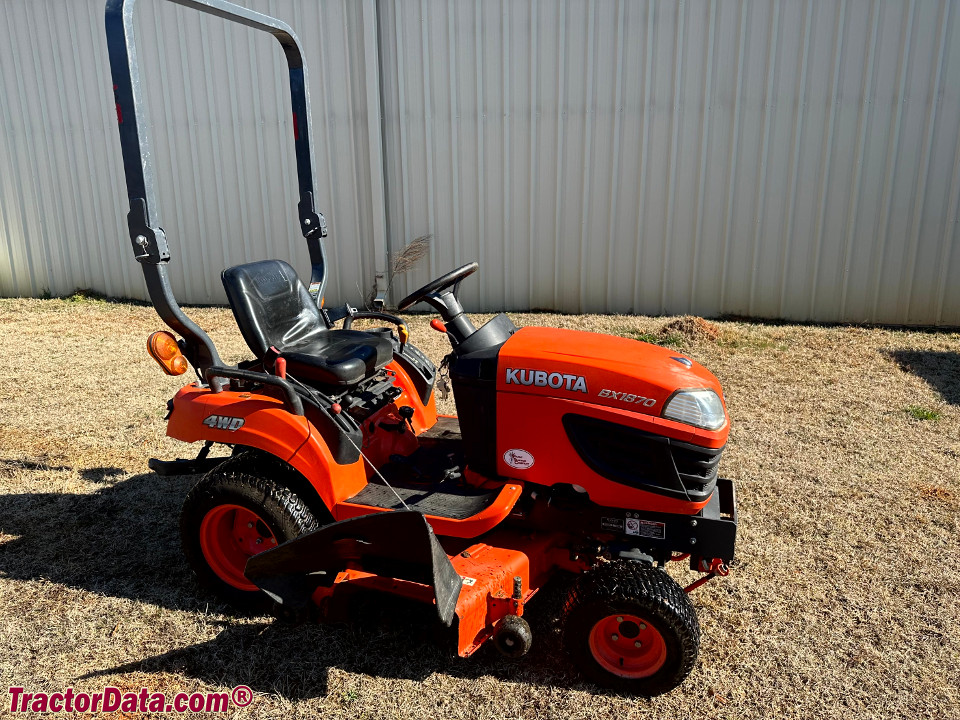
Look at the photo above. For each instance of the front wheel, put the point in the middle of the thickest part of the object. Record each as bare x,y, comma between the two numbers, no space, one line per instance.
231,515
631,628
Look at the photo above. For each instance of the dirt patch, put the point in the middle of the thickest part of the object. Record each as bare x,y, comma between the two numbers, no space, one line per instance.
691,327
928,491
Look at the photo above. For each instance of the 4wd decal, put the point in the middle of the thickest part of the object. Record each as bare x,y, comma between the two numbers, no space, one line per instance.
223,422
627,397
541,378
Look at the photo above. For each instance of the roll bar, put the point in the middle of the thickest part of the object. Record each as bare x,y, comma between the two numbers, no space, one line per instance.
147,236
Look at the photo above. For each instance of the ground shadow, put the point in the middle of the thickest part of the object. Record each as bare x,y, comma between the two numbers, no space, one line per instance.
97,474
939,368
294,661
122,541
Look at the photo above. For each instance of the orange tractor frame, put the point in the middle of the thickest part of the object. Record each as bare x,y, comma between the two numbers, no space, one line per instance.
572,452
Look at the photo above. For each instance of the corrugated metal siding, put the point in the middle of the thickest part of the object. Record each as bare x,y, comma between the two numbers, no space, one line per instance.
772,158
768,158
222,137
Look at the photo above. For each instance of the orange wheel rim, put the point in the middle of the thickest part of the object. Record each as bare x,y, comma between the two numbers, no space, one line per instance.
229,536
627,646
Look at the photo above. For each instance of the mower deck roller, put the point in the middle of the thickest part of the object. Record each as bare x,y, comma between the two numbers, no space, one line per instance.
572,452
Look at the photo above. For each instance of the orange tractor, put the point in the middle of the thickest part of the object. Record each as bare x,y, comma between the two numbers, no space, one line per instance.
572,452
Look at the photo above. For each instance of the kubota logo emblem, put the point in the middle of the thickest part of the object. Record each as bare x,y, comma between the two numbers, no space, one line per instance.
223,422
541,378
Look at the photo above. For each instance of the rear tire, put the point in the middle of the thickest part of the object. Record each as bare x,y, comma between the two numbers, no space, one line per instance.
230,515
630,627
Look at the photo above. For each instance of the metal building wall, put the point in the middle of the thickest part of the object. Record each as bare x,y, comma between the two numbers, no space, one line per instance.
793,158
222,137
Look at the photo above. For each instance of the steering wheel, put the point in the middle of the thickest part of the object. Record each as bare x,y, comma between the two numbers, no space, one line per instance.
441,294
432,291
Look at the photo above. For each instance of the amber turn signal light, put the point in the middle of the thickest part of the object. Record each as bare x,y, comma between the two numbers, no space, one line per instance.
163,348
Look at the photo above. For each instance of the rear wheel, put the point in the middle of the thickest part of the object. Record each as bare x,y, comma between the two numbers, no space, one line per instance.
630,627
231,515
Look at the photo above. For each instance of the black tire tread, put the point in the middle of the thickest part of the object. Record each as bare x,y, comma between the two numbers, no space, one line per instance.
622,586
252,461
286,514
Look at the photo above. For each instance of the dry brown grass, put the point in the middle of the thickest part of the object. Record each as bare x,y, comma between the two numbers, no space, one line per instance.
844,602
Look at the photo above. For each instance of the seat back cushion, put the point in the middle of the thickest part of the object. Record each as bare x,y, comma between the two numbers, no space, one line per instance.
271,305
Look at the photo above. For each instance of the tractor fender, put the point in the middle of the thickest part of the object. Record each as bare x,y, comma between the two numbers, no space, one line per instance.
261,421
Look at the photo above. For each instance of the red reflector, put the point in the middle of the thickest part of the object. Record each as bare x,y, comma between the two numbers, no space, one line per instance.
296,128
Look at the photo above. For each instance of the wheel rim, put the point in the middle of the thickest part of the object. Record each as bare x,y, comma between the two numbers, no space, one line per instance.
229,536
627,646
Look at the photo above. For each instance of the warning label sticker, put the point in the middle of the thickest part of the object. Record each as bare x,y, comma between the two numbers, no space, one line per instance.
645,528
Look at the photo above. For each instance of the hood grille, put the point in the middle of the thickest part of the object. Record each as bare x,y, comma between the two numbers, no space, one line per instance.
644,460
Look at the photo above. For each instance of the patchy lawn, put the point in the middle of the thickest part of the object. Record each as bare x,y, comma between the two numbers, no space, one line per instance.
844,603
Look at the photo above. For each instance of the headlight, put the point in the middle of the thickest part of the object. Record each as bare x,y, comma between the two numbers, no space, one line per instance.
701,408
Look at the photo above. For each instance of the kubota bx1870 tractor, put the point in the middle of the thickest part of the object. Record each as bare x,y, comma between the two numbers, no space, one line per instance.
572,452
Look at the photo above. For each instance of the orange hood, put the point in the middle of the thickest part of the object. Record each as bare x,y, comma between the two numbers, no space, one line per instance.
600,369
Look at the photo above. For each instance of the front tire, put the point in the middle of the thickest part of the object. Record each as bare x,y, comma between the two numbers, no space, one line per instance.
630,627
230,515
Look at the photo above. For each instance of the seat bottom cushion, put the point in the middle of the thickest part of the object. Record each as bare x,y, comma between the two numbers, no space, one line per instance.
338,357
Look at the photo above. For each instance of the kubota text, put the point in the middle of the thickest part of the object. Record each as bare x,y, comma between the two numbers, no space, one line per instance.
541,378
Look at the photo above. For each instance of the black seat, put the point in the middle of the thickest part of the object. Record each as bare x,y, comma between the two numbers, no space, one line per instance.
274,309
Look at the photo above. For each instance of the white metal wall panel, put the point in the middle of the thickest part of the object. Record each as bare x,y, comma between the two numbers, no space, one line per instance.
775,158
791,158
222,137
